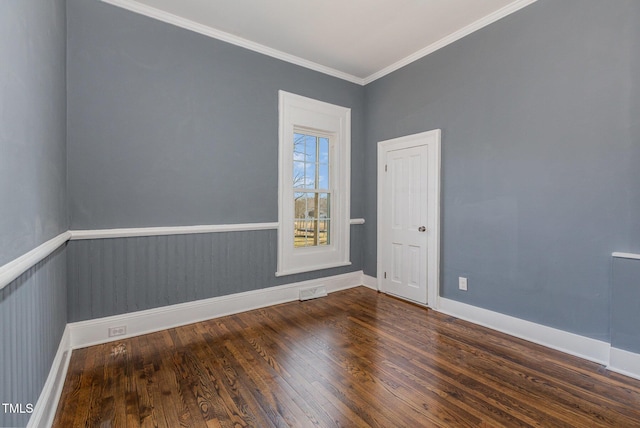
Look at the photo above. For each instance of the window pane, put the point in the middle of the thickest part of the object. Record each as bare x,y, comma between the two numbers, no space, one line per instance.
312,219
301,236
325,232
323,150
323,204
311,205
300,206
298,175
304,233
298,147
323,176
310,176
323,218
310,148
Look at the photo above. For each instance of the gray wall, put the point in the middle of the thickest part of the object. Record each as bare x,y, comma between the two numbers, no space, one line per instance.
540,152
170,128
625,290
634,132
32,125
33,194
625,299
541,144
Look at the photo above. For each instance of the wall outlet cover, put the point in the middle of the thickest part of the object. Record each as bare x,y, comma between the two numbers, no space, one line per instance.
117,331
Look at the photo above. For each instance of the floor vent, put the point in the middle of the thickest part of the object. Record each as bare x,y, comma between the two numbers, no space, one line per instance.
313,292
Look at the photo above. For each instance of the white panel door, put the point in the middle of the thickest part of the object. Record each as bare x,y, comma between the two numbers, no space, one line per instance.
404,220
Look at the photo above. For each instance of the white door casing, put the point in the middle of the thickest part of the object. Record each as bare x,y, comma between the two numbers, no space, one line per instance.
408,217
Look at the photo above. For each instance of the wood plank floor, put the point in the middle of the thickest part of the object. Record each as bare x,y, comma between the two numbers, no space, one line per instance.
355,358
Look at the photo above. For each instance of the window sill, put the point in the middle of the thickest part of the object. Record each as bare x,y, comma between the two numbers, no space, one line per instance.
311,268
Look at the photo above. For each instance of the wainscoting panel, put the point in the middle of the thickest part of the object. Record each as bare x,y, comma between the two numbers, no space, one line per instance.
121,275
33,316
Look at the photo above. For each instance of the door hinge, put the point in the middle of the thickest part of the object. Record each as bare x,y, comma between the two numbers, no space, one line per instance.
385,168
385,275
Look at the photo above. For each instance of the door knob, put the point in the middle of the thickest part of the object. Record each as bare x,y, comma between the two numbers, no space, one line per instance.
422,229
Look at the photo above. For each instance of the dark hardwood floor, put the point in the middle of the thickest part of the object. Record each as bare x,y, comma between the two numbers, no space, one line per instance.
355,358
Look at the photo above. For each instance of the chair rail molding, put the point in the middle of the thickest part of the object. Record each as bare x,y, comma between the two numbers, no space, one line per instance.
12,270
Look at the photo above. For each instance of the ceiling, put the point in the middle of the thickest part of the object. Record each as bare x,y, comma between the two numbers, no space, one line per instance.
356,40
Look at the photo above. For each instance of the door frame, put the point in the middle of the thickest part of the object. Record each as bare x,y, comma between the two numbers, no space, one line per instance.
431,139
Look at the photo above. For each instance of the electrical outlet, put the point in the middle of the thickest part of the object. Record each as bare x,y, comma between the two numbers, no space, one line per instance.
117,331
462,283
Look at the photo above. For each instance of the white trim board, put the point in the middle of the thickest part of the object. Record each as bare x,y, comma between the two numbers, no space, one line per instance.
131,232
188,24
45,409
95,331
17,267
624,362
370,282
172,230
569,343
626,256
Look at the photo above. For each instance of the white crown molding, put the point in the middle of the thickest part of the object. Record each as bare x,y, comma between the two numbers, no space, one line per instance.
188,24
12,270
95,331
626,256
475,26
569,343
172,230
45,409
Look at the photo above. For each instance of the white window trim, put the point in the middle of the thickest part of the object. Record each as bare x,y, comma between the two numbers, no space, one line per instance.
298,112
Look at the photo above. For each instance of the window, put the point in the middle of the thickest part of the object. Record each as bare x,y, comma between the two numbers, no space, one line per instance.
312,195
314,185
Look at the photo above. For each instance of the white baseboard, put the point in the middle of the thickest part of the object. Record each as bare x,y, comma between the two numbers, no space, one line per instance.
45,408
570,343
370,282
624,362
95,331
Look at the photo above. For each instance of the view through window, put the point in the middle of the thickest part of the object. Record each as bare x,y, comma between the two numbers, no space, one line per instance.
311,190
